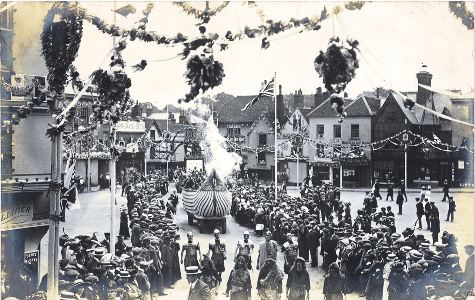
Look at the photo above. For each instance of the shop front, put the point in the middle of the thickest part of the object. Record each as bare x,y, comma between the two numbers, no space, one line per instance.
326,170
356,172
24,223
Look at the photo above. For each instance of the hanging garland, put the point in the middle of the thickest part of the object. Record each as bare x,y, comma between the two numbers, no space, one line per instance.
459,9
203,15
337,66
60,40
202,70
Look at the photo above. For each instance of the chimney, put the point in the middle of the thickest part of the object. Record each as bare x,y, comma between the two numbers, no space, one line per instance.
345,95
319,97
298,100
423,77
377,93
280,107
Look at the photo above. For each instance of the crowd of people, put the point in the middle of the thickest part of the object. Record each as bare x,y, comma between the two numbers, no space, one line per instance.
361,253
364,255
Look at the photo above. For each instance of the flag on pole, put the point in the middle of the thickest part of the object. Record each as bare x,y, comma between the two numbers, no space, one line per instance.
267,91
126,10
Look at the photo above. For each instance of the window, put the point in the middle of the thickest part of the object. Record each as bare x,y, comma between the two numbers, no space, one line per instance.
392,116
261,158
262,140
152,134
355,131
337,131
320,131
233,131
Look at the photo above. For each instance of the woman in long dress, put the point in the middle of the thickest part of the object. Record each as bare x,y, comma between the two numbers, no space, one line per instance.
334,287
269,282
298,282
239,282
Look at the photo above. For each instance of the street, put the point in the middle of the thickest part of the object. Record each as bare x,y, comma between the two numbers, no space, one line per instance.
94,215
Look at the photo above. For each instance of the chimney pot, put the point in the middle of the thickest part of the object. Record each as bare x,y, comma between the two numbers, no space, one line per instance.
377,93
319,90
345,94
280,89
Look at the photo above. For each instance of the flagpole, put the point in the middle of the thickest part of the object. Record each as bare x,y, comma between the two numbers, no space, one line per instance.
275,135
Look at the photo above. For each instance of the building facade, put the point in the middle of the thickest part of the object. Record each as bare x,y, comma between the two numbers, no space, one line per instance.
339,153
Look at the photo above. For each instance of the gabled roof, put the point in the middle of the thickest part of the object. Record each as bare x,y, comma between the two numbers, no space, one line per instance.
325,110
229,111
374,104
360,107
266,117
149,123
437,102
410,115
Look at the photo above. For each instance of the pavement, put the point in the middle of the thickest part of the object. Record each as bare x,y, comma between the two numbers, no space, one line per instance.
94,215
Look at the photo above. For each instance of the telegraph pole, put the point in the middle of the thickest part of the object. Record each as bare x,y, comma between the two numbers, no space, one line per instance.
54,218
112,167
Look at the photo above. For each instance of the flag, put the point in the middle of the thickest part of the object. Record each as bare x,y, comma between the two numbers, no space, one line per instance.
69,172
267,91
436,138
126,10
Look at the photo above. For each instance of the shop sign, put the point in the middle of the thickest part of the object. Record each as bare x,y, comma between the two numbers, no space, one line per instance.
347,173
31,258
130,126
17,215
461,164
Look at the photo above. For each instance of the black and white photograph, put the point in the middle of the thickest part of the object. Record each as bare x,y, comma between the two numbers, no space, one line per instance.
241,150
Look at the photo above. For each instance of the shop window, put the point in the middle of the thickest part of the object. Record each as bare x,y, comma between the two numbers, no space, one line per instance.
322,173
261,158
320,131
337,131
355,131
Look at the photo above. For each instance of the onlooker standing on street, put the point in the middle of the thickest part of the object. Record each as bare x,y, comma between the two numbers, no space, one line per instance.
451,210
435,228
427,208
400,201
390,192
445,190
403,189
419,211
377,189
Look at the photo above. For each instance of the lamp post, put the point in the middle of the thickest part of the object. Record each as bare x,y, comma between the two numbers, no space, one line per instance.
405,138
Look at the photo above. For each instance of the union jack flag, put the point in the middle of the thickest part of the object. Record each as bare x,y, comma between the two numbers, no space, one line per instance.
267,91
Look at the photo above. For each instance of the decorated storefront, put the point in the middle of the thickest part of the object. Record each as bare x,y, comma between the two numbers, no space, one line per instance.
25,212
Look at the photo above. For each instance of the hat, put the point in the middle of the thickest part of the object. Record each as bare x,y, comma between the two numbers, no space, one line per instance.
67,295
424,246
246,232
216,231
124,274
391,256
395,235
406,249
192,270
469,247
415,255
100,251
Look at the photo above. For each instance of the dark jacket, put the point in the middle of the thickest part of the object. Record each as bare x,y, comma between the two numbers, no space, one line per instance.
452,205
435,225
420,208
400,199
200,291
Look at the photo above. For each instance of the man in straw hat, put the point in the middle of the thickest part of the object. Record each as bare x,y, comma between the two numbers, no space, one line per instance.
198,289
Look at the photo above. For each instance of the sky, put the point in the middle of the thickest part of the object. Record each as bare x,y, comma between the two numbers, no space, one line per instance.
395,39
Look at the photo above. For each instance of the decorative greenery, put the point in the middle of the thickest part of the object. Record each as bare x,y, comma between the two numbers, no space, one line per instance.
60,41
203,73
202,15
337,66
459,9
